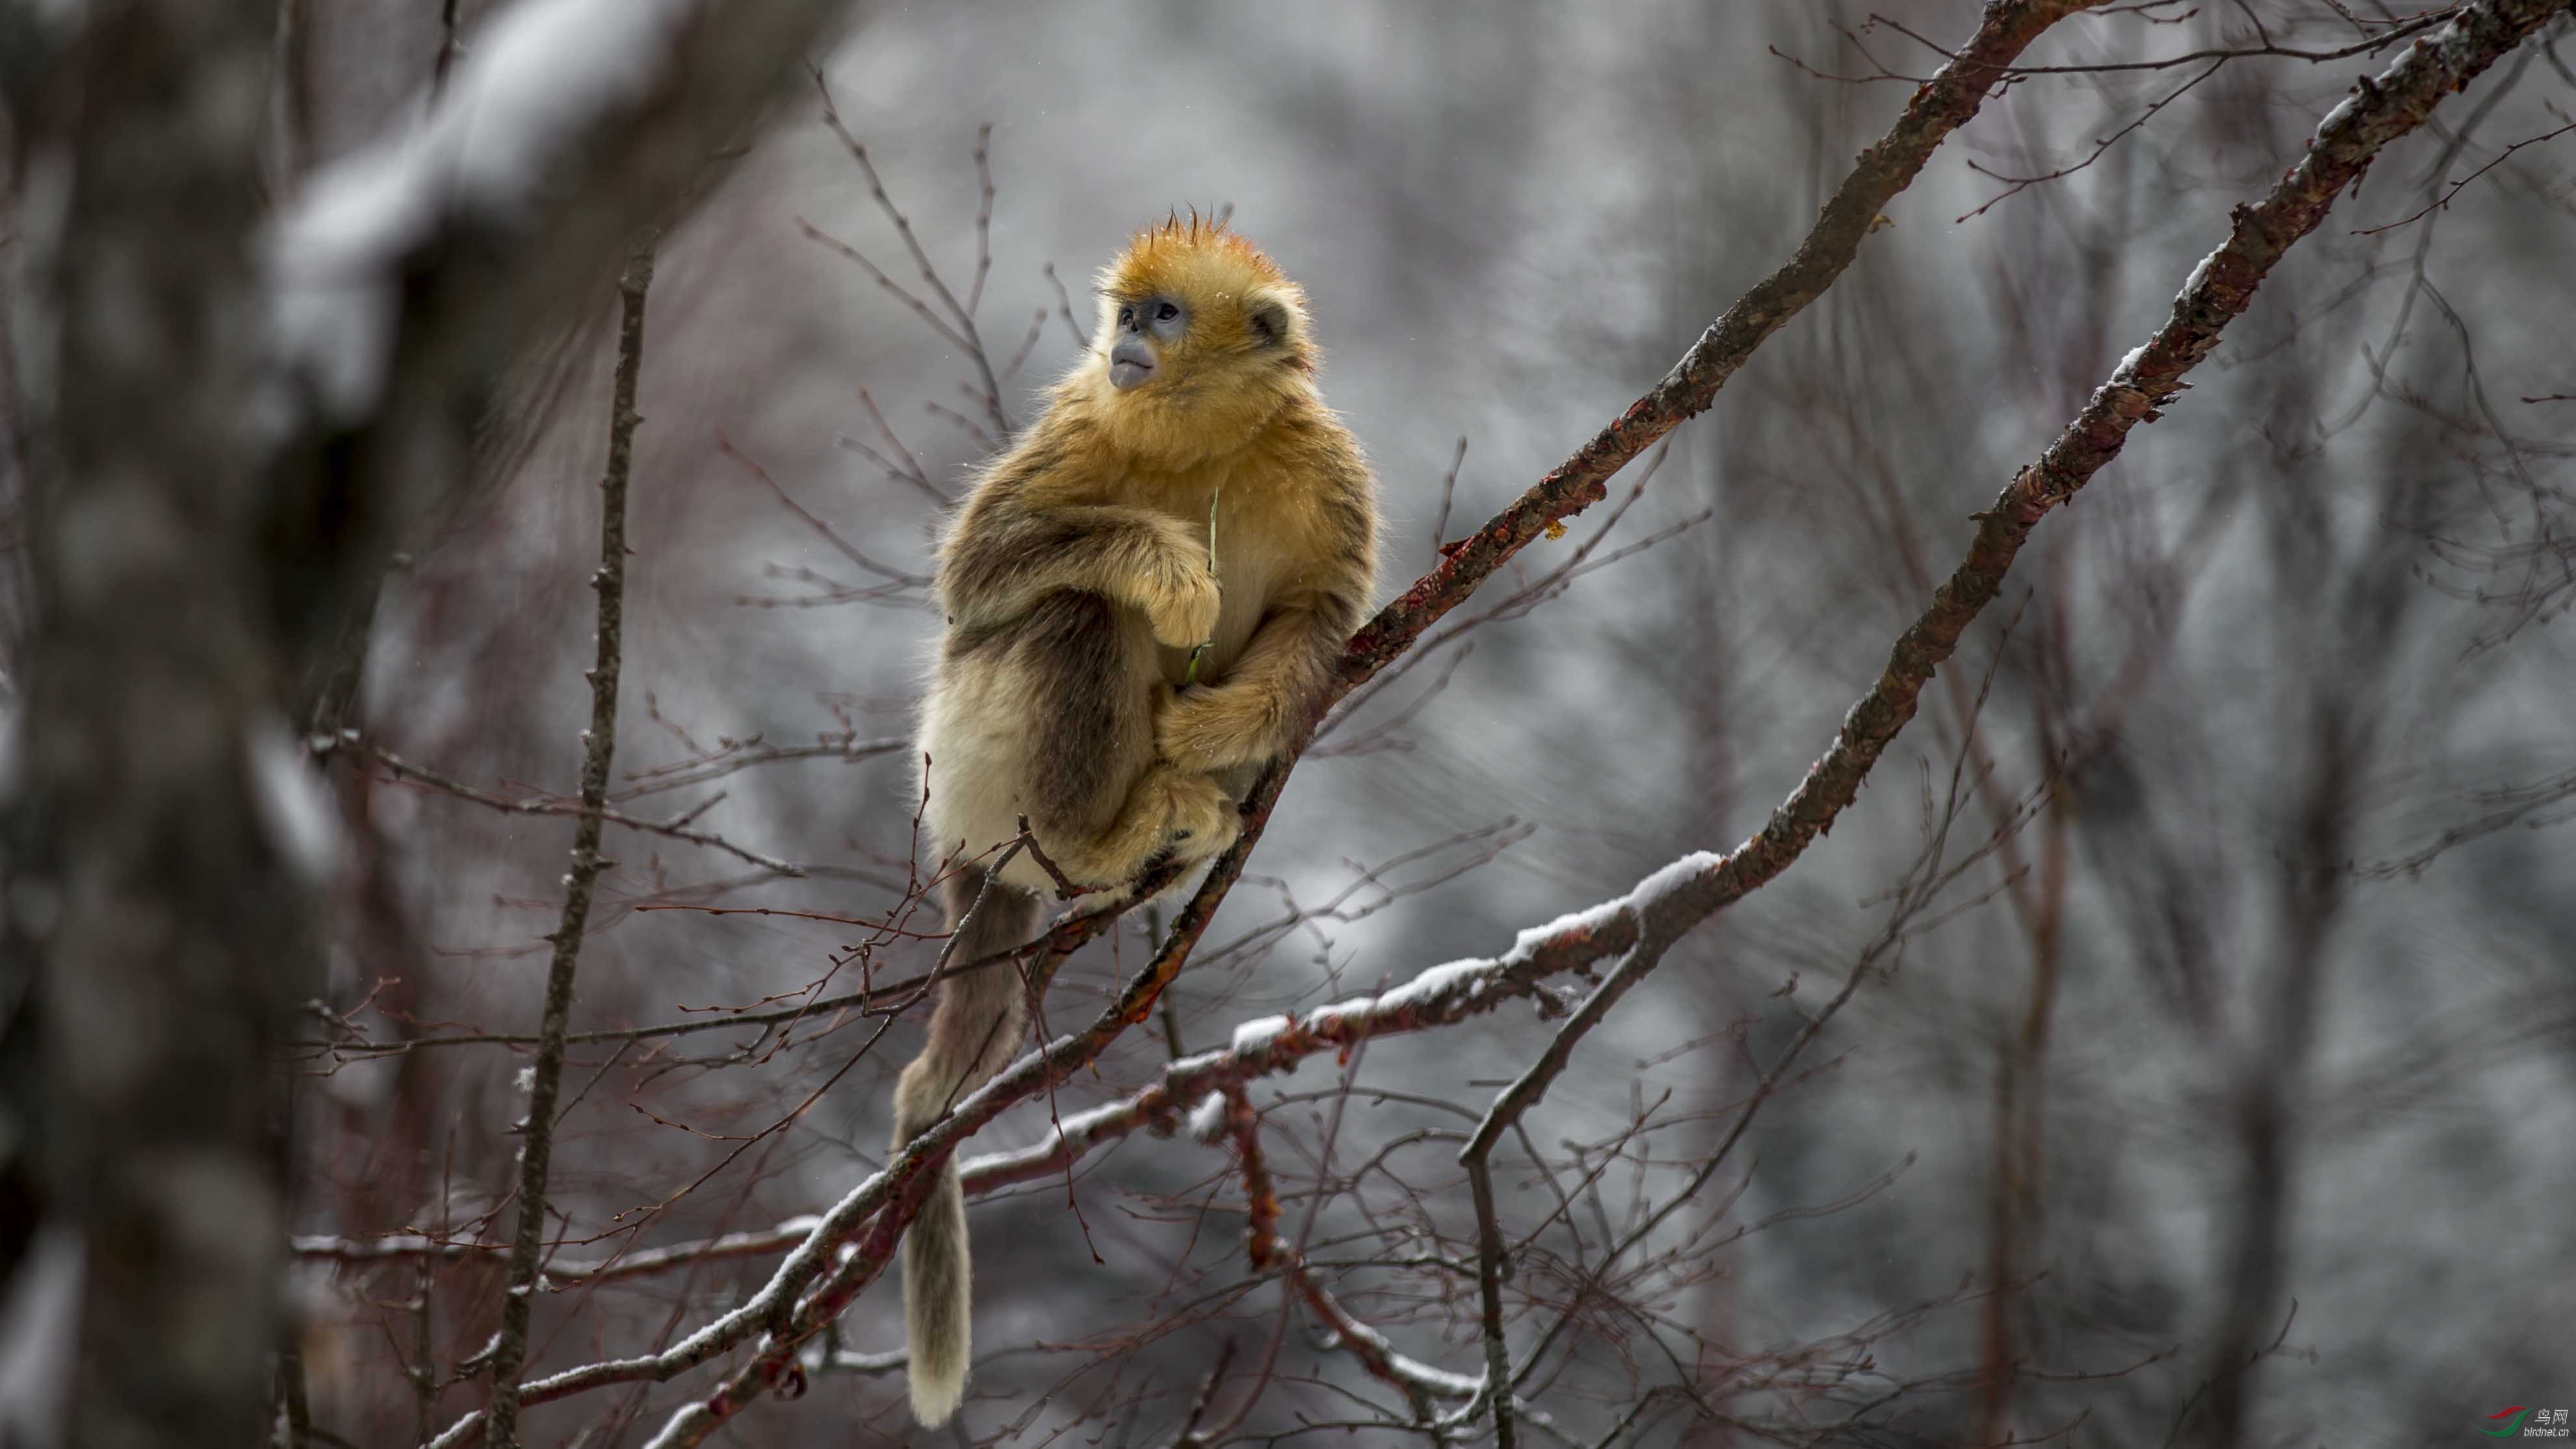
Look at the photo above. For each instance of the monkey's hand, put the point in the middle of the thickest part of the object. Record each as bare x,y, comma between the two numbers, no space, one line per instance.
1180,600
1217,727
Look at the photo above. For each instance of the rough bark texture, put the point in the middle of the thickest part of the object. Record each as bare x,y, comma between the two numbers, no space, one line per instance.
196,538
149,882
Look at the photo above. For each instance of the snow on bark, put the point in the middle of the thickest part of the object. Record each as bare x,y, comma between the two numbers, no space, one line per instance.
294,806
1252,1036
534,89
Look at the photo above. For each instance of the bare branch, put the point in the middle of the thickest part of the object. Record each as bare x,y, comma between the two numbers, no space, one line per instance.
1448,494
821,529
961,314
679,829
1064,308
599,746
749,754
2443,201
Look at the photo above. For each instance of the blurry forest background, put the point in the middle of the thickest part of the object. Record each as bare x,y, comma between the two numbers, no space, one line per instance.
2211,1071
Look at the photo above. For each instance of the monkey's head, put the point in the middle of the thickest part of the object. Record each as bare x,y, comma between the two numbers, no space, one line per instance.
1201,339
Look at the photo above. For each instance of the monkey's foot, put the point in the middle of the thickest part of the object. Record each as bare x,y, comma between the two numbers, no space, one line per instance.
1171,814
1216,728
1203,820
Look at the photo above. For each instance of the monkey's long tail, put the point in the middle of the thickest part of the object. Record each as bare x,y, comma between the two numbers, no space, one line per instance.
973,1033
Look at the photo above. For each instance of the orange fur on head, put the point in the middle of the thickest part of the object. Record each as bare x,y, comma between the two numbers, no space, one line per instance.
1218,270
1249,349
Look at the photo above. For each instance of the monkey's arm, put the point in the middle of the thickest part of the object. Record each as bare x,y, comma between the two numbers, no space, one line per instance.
1248,717
1006,555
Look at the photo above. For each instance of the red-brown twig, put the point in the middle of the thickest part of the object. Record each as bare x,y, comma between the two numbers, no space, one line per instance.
678,829
2443,201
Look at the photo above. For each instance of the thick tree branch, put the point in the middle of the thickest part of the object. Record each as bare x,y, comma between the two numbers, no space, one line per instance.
1940,106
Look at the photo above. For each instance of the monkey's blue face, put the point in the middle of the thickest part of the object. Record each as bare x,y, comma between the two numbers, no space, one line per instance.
1146,325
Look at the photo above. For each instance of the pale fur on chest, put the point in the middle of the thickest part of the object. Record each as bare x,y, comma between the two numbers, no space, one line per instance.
1264,545
973,720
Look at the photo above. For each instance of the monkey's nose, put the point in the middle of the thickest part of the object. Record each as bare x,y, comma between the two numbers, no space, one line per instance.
1130,362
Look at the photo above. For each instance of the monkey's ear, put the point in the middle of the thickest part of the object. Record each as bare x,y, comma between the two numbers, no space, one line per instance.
1269,322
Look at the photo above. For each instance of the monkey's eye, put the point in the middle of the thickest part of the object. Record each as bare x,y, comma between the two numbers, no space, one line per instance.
1165,317
1126,316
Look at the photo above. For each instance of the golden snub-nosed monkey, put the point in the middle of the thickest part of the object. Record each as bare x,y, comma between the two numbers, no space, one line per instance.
1144,595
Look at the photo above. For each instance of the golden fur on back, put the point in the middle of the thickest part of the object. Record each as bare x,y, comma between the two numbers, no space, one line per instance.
1216,512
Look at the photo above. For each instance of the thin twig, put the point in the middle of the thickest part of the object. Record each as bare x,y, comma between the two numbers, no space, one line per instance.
746,754
1028,344
962,314
1064,307
1448,494
599,745
2443,201
2016,185
404,770
1492,1266
983,216
839,545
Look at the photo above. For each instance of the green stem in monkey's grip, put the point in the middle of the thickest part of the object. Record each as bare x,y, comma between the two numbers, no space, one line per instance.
1191,676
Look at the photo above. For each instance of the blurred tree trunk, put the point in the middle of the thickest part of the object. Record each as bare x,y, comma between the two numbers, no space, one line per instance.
201,529
150,883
